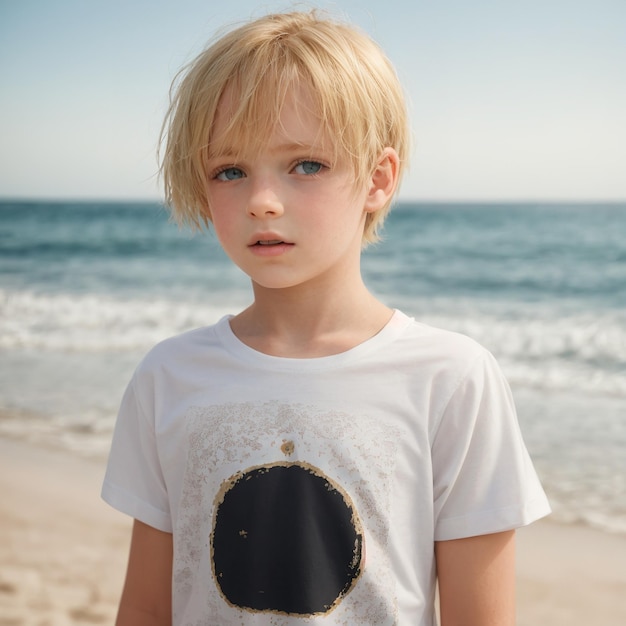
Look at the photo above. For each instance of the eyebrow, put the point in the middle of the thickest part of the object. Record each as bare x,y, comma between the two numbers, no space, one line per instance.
297,147
293,146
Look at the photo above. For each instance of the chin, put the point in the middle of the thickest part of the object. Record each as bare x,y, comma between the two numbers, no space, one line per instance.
277,282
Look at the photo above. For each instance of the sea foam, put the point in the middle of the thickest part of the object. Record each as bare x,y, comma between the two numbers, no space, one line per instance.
586,350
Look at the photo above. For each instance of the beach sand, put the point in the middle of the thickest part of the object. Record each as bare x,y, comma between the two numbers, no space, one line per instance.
63,552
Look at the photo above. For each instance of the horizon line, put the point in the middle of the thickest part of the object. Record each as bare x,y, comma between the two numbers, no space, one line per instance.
397,201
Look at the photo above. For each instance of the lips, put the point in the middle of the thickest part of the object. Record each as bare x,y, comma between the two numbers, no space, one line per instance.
268,239
269,245
271,242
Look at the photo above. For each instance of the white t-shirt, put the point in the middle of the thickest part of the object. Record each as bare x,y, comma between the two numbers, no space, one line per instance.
306,491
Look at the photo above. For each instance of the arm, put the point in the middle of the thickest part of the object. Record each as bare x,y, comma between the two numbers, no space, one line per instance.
147,595
477,580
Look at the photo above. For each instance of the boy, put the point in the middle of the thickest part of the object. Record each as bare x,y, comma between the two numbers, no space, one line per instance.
317,458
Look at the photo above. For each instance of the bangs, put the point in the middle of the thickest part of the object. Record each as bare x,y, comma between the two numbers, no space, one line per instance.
251,105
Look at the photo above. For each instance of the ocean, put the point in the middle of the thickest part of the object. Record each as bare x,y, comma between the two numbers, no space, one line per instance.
87,288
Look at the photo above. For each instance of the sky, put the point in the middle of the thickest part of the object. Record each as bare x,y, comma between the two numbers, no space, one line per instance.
508,100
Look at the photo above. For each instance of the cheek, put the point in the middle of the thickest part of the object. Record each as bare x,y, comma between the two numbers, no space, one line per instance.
224,227
221,210
223,222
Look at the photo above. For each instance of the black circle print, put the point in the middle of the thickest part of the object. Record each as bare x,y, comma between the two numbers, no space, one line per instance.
286,539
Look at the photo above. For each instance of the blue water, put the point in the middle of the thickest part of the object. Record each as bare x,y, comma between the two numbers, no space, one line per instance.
87,288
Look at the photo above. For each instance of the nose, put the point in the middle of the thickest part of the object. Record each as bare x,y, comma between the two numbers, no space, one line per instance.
264,202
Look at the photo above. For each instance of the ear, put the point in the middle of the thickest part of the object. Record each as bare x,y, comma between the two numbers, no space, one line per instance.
383,181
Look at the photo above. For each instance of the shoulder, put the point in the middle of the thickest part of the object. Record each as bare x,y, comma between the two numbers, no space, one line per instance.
439,347
444,364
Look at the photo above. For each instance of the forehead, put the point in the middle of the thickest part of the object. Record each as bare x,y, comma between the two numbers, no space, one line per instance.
268,119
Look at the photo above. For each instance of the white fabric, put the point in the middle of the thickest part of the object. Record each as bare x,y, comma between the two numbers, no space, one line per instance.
416,425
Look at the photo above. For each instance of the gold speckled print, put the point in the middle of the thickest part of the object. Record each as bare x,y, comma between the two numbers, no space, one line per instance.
252,471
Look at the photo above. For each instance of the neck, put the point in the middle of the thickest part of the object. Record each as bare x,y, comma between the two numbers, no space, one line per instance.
310,320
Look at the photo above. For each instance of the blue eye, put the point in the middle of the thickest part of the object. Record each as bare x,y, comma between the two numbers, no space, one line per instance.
308,167
230,173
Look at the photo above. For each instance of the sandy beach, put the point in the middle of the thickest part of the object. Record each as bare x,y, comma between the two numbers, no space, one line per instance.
63,552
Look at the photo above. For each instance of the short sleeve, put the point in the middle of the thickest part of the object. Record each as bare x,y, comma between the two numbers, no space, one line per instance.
134,483
484,480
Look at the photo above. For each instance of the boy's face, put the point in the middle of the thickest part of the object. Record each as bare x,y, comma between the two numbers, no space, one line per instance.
290,213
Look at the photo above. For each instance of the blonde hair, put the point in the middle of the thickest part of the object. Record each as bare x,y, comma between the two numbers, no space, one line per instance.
355,88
